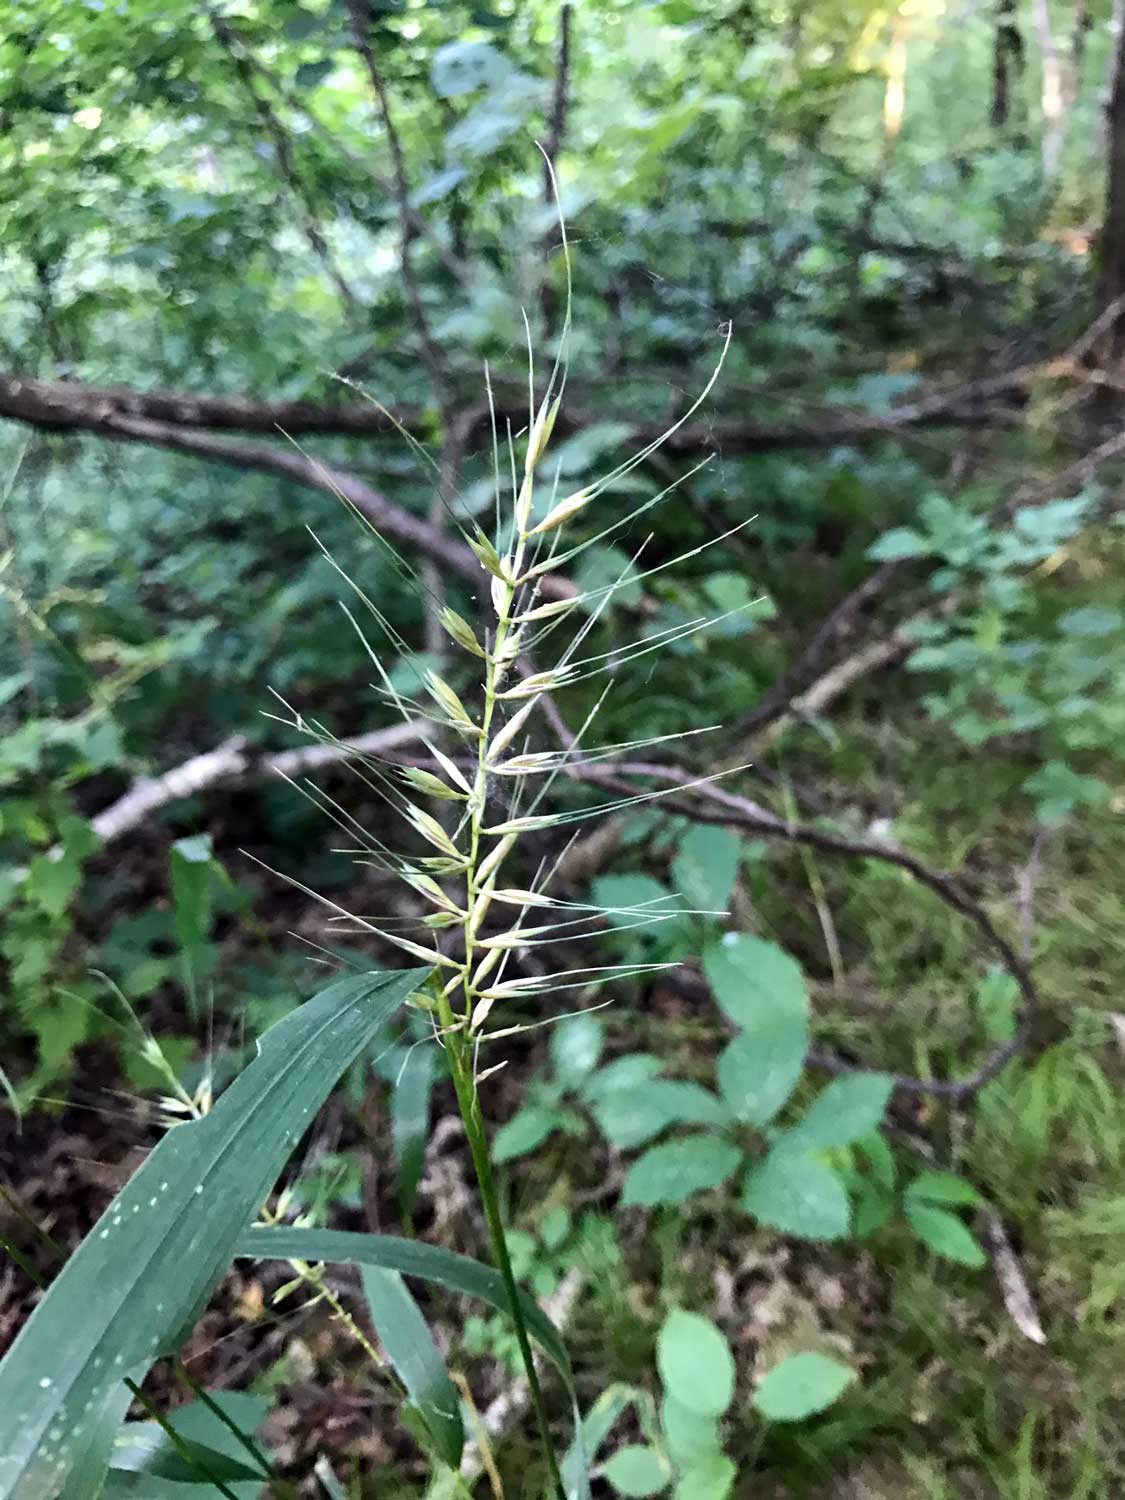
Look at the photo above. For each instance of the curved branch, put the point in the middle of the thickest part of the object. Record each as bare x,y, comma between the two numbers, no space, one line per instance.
733,810
64,405
290,463
706,803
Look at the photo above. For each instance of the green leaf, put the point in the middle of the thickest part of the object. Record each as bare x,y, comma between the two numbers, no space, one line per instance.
603,568
1058,790
192,873
637,1471
576,1047
148,1466
872,1207
688,1435
410,1120
626,1074
146,1268
847,1110
630,1117
901,543
675,1170
411,1349
52,880
944,1233
695,1364
528,1128
943,1187
705,867
756,983
712,1478
585,449
615,892
801,1386
458,1273
759,1070
798,1195
595,1427
308,75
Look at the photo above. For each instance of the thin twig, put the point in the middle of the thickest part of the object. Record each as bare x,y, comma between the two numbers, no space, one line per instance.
548,295
714,804
431,356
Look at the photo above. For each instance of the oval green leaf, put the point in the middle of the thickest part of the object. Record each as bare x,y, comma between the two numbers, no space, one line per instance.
675,1170
637,1471
801,1386
798,1195
695,1363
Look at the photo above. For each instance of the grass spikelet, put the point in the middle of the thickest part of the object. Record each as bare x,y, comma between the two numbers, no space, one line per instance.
472,929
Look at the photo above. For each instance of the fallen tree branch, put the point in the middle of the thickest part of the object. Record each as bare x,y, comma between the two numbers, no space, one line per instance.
64,405
290,463
709,803
232,762
704,803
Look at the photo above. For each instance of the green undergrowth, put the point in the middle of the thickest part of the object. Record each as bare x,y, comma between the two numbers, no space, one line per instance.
955,1402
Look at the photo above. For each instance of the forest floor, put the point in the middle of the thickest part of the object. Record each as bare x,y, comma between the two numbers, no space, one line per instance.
956,1401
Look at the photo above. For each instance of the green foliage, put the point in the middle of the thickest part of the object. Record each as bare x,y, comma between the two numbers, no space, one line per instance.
695,1364
1007,660
214,211
675,1170
801,1386
417,1360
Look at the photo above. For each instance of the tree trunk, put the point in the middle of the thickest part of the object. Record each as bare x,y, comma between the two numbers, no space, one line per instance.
1079,36
1007,64
1112,250
1053,91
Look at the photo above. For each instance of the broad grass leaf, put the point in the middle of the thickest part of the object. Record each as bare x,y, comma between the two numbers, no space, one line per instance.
846,1111
148,1466
410,1120
457,1273
671,1172
695,1364
421,1368
798,1195
595,1428
142,1274
637,1471
801,1386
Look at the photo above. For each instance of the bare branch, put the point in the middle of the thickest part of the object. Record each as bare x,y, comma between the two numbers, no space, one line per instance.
287,462
706,803
710,803
232,762
548,296
431,356
65,404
